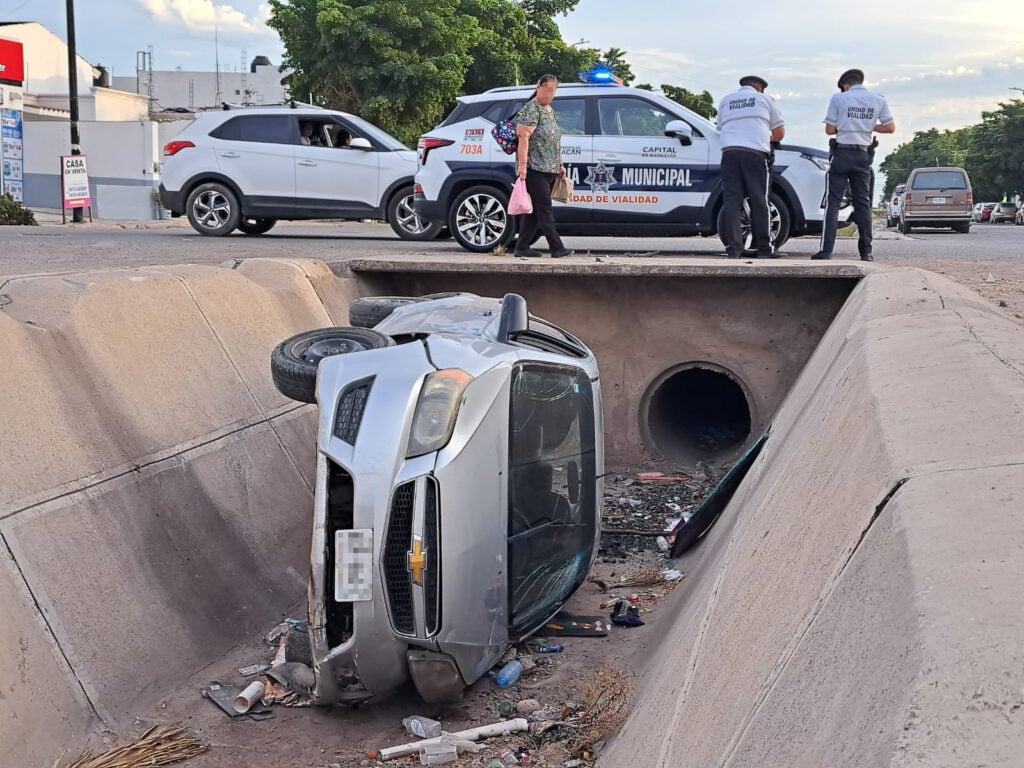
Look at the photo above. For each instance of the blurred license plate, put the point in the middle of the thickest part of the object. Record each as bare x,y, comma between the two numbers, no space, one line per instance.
353,566
939,200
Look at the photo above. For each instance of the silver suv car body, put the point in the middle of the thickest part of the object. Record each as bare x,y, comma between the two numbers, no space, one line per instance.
458,494
641,164
246,168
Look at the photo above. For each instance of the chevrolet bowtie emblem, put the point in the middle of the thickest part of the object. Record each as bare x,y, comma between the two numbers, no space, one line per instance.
417,562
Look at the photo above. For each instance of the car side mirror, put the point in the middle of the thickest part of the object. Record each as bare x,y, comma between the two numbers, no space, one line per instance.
361,144
681,130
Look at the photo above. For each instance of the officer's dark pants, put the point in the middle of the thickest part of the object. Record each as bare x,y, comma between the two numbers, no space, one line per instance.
854,167
745,176
542,220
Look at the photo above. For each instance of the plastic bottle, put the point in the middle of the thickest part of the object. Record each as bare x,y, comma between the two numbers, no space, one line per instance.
508,674
424,727
662,543
548,648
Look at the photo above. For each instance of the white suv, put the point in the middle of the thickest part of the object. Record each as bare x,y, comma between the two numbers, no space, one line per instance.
892,207
641,164
247,167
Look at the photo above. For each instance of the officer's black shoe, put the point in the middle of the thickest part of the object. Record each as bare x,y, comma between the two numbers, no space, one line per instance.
866,257
822,255
562,252
527,253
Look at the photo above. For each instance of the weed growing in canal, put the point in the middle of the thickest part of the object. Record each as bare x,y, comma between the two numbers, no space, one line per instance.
14,213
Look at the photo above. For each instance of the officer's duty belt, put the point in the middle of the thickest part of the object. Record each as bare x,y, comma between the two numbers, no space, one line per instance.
858,147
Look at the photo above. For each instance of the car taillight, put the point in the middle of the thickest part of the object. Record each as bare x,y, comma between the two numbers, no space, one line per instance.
906,197
970,198
175,147
428,143
895,201
418,189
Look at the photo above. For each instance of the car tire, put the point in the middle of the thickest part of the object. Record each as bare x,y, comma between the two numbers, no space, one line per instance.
294,361
370,310
256,226
778,222
213,210
479,220
404,220
963,229
904,227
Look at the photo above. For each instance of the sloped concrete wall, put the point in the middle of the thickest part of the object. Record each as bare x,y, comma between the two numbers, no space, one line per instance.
155,489
859,603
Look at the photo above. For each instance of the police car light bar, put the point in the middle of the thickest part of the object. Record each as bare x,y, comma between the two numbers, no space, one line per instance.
600,75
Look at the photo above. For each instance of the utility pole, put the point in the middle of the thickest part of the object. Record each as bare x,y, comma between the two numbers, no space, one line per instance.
77,214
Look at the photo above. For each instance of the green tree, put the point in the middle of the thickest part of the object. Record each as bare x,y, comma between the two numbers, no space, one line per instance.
702,103
995,152
398,63
615,60
927,148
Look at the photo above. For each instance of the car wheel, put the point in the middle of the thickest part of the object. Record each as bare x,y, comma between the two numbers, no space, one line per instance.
294,361
479,219
408,224
963,229
256,226
904,227
778,223
212,210
370,310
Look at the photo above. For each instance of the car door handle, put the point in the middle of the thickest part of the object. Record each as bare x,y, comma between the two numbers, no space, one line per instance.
609,158
307,162
230,154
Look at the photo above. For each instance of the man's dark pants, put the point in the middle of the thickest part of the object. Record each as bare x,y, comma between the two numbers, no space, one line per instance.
854,167
542,220
745,175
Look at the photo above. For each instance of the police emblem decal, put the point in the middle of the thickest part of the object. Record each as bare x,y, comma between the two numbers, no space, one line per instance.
600,177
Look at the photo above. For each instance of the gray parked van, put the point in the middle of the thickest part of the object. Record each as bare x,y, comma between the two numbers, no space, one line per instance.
937,197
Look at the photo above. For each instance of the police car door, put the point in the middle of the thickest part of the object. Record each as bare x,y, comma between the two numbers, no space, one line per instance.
639,174
577,154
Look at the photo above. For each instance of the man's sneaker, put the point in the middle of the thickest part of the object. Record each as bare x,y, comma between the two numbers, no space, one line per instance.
562,252
527,253
822,255
866,257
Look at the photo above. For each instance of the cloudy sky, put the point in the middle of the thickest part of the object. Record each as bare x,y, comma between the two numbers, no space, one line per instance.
939,63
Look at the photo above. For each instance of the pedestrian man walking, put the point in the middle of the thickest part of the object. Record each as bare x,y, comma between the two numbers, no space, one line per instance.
748,122
853,115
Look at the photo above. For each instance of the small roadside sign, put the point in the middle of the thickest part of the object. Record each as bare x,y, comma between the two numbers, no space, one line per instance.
74,178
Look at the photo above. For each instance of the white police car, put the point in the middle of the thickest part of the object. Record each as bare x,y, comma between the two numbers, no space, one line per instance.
641,164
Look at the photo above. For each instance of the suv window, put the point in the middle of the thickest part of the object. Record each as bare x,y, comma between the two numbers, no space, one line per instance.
552,495
625,116
267,129
571,115
939,180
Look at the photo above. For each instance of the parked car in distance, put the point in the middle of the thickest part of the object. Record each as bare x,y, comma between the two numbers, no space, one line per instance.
981,212
246,168
892,212
1003,212
937,197
458,487
1018,219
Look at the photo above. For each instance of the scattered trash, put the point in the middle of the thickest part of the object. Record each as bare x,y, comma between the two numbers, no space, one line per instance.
438,753
224,697
645,577
503,728
255,669
506,709
548,648
605,708
625,614
160,745
495,764
424,727
527,706
293,676
672,575
565,624
660,477
245,700
663,544
509,674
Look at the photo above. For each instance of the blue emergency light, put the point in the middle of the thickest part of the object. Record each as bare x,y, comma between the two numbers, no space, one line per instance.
599,75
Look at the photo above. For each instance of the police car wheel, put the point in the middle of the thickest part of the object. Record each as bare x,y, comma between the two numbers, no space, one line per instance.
404,220
256,226
778,223
294,361
212,210
479,219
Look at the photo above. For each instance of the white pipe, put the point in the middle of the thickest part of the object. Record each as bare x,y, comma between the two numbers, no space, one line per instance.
244,701
503,728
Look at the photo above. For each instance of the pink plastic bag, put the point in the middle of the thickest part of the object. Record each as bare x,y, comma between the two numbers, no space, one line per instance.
520,202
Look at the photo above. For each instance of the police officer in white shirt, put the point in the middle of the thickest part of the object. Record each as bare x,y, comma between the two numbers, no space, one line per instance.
853,115
748,122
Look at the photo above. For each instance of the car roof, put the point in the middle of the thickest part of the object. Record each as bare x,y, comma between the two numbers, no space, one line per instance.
578,89
299,110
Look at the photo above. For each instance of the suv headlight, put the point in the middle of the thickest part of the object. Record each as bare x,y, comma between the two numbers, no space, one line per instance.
821,162
436,409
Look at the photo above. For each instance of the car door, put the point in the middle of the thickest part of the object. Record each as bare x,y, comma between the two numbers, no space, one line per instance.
577,154
257,152
336,178
639,174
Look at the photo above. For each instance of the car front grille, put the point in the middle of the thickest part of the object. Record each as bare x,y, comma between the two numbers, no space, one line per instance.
351,405
432,542
397,576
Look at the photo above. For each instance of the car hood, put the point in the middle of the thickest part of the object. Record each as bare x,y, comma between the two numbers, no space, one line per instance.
812,151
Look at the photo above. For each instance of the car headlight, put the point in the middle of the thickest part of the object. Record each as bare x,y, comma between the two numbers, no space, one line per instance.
821,162
434,418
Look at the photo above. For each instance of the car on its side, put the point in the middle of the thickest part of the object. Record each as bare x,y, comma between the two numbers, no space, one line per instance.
458,487
937,197
1003,212
246,168
892,208
641,165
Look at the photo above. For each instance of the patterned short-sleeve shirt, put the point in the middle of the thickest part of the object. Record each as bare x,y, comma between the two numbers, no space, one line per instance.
545,151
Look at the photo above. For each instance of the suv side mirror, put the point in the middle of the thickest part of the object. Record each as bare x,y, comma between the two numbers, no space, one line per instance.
681,130
361,144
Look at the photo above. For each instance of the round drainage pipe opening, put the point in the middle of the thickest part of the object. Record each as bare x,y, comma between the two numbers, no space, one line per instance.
697,411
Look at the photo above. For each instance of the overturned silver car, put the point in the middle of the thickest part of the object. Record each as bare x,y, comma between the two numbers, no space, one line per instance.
458,488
